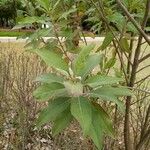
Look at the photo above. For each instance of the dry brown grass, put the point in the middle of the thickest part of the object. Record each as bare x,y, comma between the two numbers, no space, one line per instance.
18,108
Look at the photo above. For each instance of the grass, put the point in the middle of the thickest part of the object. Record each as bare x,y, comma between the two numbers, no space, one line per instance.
18,71
11,33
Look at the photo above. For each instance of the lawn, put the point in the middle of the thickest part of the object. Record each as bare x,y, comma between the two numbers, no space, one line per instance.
11,33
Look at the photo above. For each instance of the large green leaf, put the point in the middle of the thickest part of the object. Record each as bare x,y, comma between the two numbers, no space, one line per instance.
32,19
104,120
41,33
124,45
54,109
56,5
81,59
118,91
67,13
90,64
110,63
44,4
28,21
81,109
106,96
108,39
99,80
62,121
50,78
115,19
52,59
101,124
96,132
49,91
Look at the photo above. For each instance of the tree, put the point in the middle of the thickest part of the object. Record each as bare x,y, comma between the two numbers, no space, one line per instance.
72,89
8,12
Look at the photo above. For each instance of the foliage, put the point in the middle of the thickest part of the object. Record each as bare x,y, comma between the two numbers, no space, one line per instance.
72,87
8,12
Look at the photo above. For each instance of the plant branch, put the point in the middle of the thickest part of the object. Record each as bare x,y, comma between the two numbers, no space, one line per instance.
144,58
102,16
138,27
142,79
143,68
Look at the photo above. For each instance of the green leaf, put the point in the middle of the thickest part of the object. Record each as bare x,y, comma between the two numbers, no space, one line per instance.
56,4
19,26
49,91
131,28
54,109
62,121
108,39
81,59
67,13
125,45
119,91
90,64
96,132
32,19
99,80
52,59
45,4
81,109
101,124
104,120
115,19
107,96
50,78
110,63
147,29
40,34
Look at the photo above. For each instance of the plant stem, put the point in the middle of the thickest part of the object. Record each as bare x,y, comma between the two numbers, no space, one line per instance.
141,31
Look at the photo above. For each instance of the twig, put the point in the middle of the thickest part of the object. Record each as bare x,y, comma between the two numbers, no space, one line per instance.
101,13
145,91
143,68
142,79
144,58
141,31
140,100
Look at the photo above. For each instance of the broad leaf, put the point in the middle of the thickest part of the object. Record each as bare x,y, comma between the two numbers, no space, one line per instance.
110,63
50,78
62,121
49,91
20,26
104,120
108,39
81,59
52,59
118,91
81,109
32,19
90,64
56,4
131,28
67,13
44,4
96,132
125,45
115,19
54,109
99,80
106,96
